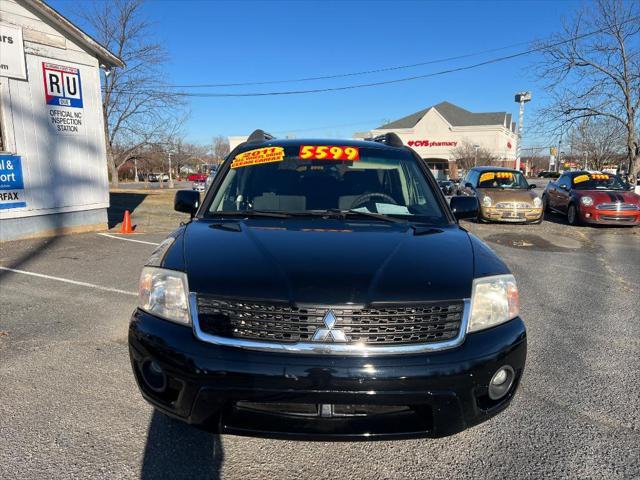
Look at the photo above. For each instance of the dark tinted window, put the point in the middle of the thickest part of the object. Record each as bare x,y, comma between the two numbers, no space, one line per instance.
383,181
502,179
597,181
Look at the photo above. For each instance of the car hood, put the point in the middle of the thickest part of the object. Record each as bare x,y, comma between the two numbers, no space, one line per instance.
609,196
328,262
506,195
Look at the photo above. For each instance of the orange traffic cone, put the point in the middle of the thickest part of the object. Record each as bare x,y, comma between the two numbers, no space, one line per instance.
126,223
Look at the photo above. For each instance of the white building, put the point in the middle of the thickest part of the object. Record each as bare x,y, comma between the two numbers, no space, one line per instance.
435,132
53,170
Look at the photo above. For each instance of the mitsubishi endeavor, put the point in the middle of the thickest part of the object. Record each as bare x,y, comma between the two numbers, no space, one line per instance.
325,290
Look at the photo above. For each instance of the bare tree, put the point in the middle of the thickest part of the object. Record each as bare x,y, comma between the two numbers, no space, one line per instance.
137,108
220,148
468,156
598,142
186,154
596,75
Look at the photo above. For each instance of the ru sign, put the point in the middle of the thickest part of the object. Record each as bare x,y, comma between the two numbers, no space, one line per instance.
62,86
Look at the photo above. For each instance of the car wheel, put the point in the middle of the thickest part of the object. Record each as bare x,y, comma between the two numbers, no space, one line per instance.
545,204
572,215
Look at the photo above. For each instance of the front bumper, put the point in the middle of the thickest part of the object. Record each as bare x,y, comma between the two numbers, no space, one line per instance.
209,386
592,215
510,215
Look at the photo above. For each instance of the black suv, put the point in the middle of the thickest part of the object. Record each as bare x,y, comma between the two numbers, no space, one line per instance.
324,290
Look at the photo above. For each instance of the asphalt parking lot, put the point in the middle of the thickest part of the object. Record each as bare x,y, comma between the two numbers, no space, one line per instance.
69,407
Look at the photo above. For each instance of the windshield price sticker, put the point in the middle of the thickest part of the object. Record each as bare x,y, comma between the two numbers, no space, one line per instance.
593,176
328,152
258,157
504,175
599,176
487,176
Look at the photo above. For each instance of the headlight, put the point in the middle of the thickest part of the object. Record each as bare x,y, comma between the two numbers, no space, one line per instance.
486,201
164,293
537,202
586,201
494,300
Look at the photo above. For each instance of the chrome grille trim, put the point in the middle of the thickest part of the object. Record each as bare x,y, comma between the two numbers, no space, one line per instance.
618,206
351,349
513,205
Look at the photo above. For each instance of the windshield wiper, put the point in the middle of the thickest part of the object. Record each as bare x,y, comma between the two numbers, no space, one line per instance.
251,213
376,216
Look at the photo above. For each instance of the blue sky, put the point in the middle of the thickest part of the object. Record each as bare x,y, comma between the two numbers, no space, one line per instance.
225,42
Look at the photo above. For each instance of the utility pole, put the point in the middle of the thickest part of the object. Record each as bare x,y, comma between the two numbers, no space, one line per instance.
170,177
475,160
521,98
135,170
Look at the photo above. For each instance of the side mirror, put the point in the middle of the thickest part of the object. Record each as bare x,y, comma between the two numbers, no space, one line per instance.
468,185
532,186
186,201
564,187
464,207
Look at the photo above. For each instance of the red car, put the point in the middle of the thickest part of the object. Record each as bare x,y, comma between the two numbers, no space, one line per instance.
592,197
197,177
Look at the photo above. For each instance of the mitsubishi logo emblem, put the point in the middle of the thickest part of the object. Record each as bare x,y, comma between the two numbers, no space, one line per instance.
329,334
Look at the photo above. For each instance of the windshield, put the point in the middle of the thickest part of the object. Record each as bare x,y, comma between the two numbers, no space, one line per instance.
502,179
310,179
598,181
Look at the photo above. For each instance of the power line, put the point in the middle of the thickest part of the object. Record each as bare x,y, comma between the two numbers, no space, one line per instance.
383,82
351,74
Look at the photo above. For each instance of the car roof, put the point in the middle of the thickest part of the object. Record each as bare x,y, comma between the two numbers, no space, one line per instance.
494,169
296,142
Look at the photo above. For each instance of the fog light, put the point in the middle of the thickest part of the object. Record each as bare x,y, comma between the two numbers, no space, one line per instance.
500,377
154,376
501,382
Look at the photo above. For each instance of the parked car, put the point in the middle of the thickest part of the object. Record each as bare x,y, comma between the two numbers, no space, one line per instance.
198,186
504,195
593,197
548,174
197,177
157,177
324,289
447,186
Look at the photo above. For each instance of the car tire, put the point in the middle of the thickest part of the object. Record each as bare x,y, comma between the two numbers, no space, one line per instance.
572,215
545,204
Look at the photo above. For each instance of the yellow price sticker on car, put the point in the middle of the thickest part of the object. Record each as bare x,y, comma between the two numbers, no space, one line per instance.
258,156
581,178
487,176
328,152
504,175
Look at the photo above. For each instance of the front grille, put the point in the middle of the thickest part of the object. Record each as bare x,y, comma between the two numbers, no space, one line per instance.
618,219
618,206
284,323
513,205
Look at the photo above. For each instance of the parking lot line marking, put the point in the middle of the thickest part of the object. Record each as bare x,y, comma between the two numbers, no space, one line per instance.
66,280
128,239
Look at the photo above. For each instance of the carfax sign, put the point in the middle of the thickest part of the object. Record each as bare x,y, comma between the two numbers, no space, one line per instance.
62,86
11,183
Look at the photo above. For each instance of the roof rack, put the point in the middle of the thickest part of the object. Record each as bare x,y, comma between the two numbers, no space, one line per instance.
390,139
259,136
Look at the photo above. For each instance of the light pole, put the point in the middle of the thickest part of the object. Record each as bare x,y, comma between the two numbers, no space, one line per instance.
170,176
475,160
135,170
521,98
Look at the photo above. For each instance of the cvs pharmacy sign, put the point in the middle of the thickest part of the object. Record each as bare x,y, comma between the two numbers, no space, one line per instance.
62,86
